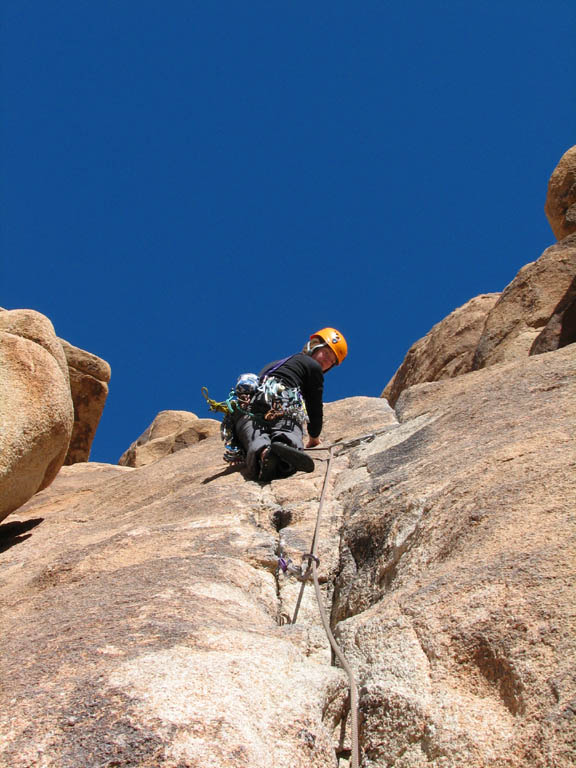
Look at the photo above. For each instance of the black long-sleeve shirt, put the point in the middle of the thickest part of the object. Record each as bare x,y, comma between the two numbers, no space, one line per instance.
304,372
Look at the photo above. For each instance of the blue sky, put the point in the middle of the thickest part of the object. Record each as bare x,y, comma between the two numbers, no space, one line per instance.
190,188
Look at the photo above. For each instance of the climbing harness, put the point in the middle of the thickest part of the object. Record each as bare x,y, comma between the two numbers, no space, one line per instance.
264,399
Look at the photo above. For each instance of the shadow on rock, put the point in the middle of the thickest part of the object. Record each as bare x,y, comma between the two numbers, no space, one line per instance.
13,533
227,471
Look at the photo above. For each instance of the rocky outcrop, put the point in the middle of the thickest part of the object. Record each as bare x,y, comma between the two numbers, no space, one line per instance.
89,377
526,305
455,593
142,616
170,431
36,413
535,313
446,351
143,609
561,200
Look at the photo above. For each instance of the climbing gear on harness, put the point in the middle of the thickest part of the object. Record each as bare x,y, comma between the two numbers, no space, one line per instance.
299,460
214,405
244,390
264,399
331,338
233,452
281,401
247,384
274,400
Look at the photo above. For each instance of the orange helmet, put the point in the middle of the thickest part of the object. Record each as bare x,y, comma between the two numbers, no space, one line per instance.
334,339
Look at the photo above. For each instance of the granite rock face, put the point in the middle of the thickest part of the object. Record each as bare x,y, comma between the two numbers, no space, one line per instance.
36,413
170,431
535,313
145,622
89,377
527,305
446,351
561,200
143,616
455,593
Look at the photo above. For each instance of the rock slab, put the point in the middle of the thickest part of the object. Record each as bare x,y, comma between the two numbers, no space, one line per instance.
142,617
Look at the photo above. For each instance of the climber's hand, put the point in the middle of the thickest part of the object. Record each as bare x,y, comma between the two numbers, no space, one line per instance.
313,442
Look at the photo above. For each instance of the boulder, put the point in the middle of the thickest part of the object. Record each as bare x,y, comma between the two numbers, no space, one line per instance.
454,600
169,432
36,327
560,204
36,412
526,305
89,377
446,351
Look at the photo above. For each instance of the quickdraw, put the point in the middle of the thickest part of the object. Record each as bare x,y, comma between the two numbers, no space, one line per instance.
286,565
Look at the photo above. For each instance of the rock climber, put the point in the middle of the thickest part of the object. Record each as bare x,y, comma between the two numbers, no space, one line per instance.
266,428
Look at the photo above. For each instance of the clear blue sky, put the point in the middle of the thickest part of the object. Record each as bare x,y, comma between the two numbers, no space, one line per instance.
190,188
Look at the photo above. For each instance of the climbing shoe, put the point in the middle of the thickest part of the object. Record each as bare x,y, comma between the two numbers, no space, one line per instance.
299,460
268,466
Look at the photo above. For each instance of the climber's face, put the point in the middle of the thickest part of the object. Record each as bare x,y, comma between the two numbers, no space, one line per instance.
325,357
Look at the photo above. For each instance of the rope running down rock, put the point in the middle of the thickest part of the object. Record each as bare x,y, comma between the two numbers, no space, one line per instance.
313,559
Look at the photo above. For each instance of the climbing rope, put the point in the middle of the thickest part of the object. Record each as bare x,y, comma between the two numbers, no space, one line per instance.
313,567
343,444
326,622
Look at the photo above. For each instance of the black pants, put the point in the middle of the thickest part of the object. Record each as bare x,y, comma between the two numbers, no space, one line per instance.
256,436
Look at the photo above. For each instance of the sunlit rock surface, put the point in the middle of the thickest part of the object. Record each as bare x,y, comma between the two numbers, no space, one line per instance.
561,199
145,621
446,351
535,313
143,616
527,305
170,431
36,412
455,597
